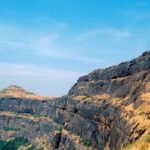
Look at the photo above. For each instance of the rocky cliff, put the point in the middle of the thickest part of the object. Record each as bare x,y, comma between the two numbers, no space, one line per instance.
109,109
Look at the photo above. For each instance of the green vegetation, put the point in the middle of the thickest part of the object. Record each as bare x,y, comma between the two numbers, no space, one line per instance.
86,142
148,138
2,144
142,113
2,91
32,148
13,113
40,149
60,128
10,129
37,115
47,146
15,86
13,144
30,93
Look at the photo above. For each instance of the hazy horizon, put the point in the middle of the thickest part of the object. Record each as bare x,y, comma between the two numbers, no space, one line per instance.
45,46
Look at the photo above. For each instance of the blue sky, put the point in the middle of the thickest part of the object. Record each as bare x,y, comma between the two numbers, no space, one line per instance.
45,45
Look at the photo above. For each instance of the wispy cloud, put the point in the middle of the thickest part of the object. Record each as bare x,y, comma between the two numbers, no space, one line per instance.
110,32
34,71
75,47
47,46
44,45
38,79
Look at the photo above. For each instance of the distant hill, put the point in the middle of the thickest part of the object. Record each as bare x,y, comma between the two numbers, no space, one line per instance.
17,91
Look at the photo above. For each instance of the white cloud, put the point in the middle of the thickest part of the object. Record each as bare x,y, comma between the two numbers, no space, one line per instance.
38,79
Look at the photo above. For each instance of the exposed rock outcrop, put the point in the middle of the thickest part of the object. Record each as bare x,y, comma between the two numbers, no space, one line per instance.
110,79
105,110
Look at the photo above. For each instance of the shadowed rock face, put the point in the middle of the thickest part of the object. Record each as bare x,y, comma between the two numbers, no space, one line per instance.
102,111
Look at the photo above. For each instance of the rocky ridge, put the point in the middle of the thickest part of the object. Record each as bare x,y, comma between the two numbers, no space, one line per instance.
108,109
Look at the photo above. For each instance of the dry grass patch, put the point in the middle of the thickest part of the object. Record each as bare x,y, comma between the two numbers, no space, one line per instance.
142,144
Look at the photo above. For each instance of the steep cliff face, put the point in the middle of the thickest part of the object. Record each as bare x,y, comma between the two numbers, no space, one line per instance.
112,79
105,110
